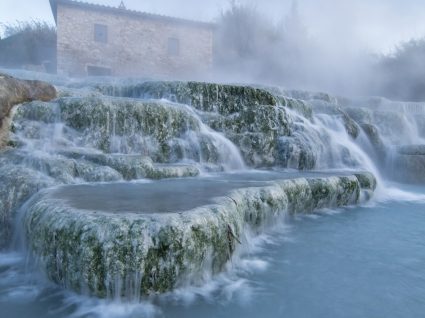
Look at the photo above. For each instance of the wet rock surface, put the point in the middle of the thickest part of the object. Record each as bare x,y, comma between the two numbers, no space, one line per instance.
14,92
149,248
261,121
207,97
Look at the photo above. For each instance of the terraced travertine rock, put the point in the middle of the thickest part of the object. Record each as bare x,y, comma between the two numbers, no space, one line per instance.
135,166
255,131
60,168
250,117
163,131
13,92
100,120
134,254
254,118
207,97
266,135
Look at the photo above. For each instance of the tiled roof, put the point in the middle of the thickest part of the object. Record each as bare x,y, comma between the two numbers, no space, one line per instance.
98,7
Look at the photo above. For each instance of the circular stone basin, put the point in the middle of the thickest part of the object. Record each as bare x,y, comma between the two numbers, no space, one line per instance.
165,196
97,236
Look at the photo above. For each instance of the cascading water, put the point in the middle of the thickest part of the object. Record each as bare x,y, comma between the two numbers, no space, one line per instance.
98,226
328,144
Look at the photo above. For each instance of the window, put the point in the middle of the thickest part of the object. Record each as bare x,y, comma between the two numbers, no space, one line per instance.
101,33
98,71
173,47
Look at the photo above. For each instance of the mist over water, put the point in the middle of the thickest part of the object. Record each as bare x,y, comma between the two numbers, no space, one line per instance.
343,50
342,47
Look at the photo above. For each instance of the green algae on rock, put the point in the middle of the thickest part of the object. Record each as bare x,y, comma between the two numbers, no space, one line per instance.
17,185
254,118
222,98
134,254
163,131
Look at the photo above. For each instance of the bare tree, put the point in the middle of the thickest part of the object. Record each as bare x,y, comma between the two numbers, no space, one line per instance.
28,42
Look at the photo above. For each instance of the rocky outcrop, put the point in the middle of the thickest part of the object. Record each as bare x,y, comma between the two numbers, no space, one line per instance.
117,254
262,122
13,92
207,97
132,167
252,118
160,130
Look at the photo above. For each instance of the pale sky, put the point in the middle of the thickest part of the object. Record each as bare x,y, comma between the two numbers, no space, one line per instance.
375,25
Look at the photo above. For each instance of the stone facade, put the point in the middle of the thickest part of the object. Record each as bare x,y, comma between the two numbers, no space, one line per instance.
100,40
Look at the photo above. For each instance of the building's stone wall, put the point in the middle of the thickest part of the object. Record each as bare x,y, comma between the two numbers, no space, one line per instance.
136,46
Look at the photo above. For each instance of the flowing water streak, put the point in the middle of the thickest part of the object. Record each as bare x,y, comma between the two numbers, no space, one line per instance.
333,147
229,154
328,137
198,143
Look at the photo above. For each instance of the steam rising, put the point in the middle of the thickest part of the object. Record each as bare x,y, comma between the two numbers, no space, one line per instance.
253,48
344,47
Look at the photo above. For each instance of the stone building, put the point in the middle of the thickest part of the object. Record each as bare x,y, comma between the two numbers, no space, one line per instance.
101,40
